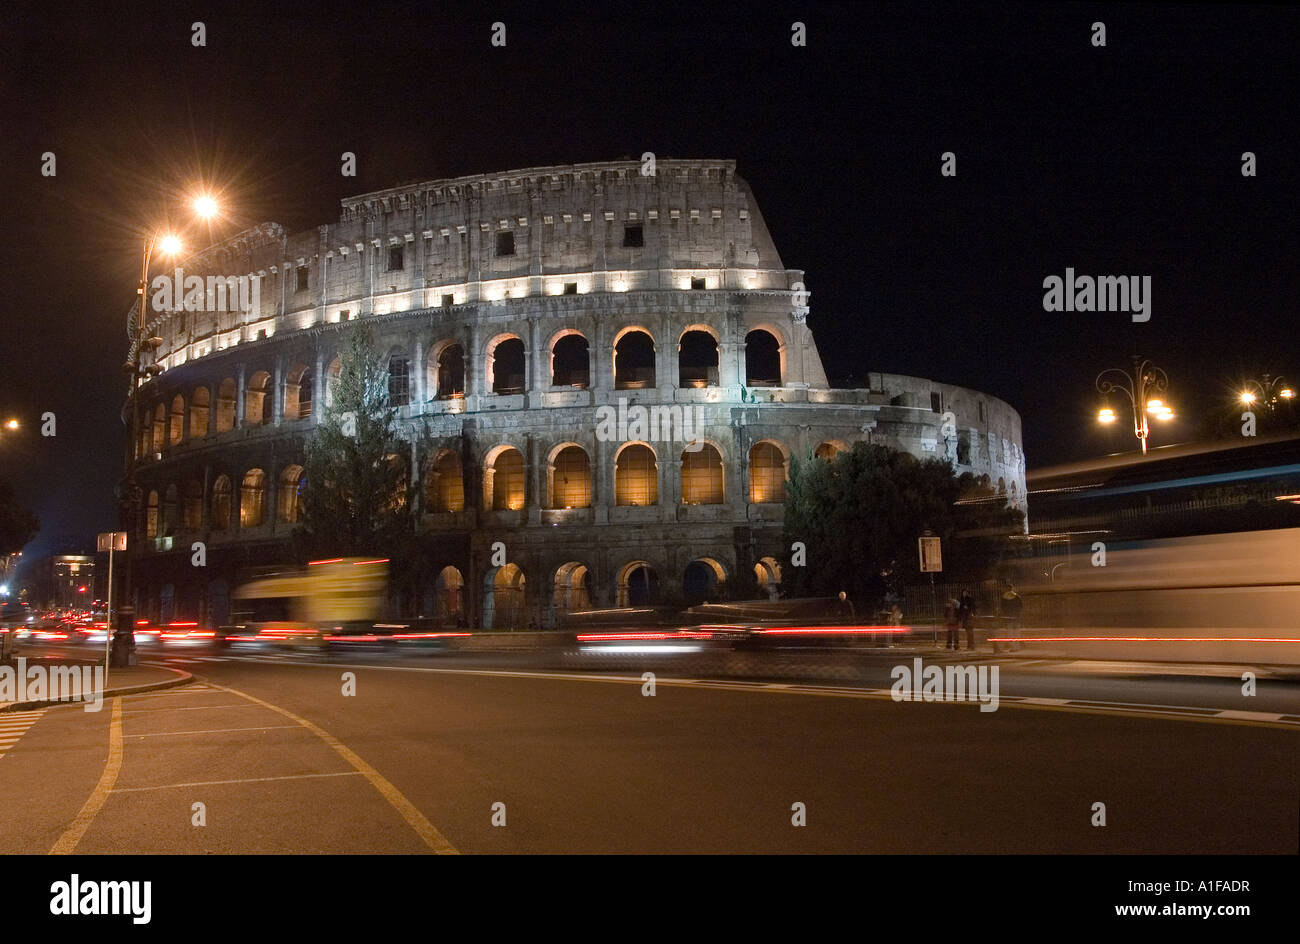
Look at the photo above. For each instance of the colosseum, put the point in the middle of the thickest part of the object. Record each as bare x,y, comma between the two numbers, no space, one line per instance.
531,321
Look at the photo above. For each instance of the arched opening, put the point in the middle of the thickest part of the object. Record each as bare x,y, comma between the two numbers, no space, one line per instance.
289,496
503,481
159,427
570,364
634,361
252,492
702,476
571,478
200,404
702,581
227,401
176,422
762,359
638,585
828,450
447,372
572,589
151,516
298,393
767,574
448,596
171,510
218,603
444,483
506,366
697,360
257,400
193,501
766,474
398,463
221,493
636,476
399,380
332,375
167,604
504,606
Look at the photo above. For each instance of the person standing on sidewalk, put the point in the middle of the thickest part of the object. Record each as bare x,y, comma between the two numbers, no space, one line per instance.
1012,604
966,611
952,620
895,620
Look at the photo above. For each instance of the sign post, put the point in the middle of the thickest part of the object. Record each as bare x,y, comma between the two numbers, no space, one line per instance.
110,541
930,549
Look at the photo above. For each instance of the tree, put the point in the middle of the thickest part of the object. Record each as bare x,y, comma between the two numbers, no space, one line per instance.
859,516
354,497
17,524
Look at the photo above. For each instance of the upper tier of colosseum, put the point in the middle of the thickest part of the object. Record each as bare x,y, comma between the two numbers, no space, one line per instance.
545,231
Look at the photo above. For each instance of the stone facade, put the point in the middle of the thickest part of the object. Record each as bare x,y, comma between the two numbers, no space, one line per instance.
519,312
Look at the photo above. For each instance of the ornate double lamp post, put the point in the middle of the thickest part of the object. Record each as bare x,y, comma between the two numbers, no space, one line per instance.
1269,391
1141,385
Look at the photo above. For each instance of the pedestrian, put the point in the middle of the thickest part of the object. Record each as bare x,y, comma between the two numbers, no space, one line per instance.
895,620
952,620
1012,604
966,611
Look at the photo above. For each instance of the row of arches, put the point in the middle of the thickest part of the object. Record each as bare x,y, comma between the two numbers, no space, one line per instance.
182,506
217,409
569,477
636,583
569,485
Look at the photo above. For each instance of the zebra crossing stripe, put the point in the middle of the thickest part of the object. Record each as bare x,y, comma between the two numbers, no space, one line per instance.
13,725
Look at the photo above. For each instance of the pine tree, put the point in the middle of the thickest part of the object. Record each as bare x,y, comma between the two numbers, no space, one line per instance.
354,497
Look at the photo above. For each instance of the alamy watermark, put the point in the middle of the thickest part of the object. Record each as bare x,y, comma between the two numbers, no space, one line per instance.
72,683
970,683
181,292
1118,293
667,423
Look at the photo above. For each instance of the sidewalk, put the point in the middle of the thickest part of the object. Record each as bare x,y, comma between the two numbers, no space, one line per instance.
121,681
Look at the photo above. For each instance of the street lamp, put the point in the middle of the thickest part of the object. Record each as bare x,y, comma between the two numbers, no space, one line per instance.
11,425
167,244
1139,386
1269,391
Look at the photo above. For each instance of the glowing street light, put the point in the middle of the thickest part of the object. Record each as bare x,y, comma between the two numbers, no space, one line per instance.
11,424
167,244
1145,379
1268,391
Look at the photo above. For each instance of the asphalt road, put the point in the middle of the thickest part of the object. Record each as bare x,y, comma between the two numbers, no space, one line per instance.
416,761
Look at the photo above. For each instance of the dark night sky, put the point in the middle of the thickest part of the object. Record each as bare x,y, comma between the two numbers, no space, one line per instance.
1123,160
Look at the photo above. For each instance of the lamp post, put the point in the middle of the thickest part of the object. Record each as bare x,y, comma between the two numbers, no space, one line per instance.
170,245
1268,391
1139,386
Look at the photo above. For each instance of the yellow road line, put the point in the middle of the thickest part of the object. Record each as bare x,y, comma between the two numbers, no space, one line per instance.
68,841
414,818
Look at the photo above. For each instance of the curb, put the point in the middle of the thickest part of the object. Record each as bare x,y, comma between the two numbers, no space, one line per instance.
185,679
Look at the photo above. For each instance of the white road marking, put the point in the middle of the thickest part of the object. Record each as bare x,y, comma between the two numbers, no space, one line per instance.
267,727
214,783
1250,715
1079,705
13,725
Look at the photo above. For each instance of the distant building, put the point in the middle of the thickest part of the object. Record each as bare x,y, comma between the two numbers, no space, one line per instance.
64,580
